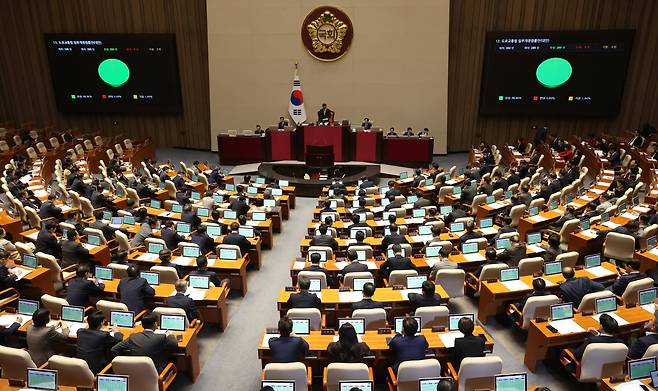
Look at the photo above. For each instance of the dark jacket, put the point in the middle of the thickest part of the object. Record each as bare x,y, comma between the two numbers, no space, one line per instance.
73,253
171,238
468,346
238,240
147,343
641,345
132,292
79,289
573,289
93,347
366,304
393,239
355,266
324,240
318,268
579,351
397,262
513,254
304,299
287,349
205,242
348,354
406,348
240,207
190,217
179,300
419,300
47,243
107,230
620,284
48,210
8,331
7,280
212,276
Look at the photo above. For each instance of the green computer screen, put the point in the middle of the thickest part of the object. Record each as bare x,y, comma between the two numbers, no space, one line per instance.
647,296
606,304
641,368
511,383
42,379
563,311
112,383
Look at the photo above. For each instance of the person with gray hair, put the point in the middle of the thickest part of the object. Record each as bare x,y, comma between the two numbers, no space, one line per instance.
304,299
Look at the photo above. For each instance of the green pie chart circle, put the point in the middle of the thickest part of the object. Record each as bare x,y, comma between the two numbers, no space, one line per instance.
114,72
553,72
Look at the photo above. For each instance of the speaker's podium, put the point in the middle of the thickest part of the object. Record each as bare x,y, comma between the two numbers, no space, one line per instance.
320,156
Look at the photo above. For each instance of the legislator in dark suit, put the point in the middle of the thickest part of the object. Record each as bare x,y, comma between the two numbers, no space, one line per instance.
8,331
324,240
573,289
324,114
393,238
641,345
620,284
366,304
108,231
405,347
74,253
179,300
420,300
513,254
468,346
602,338
238,240
171,238
304,299
47,243
132,291
49,210
397,262
205,242
149,344
287,349
354,267
240,207
80,289
93,347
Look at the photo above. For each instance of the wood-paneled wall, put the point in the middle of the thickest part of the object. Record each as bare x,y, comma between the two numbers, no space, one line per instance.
471,19
25,84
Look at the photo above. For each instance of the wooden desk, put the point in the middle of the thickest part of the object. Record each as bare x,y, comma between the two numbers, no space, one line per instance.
607,385
12,225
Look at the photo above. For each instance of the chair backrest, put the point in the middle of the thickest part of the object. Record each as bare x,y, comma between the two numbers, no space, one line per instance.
53,303
31,153
170,311
537,307
399,277
33,217
141,369
406,249
367,249
447,245
15,362
50,262
630,295
529,266
129,144
122,240
98,140
132,194
307,313
478,372
168,274
491,272
328,251
652,351
23,248
619,246
568,259
477,201
312,274
602,360
452,281
4,146
555,197
79,150
375,317
118,270
348,280
87,208
72,372
433,315
54,142
516,213
89,146
95,231
482,242
409,372
106,306
444,191
345,371
568,227
647,233
588,302
295,371
171,189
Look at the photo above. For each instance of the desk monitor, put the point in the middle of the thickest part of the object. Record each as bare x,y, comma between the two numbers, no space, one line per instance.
27,307
172,322
269,203
118,220
362,217
391,254
470,248
592,260
353,232
430,383
553,205
155,248
103,273
122,318
230,214
315,285
202,212
425,230
502,244
429,182
456,190
283,183
323,255
551,268
584,224
606,304
363,385
486,222
228,254
433,251
177,208
647,296
260,180
258,216
622,208
359,282
361,255
417,213
153,278
252,190
161,186
119,193
277,192
191,251
358,323
183,227
569,198
444,210
218,198
385,201
107,215
605,217
301,326
411,199
94,240
511,382
456,227
194,178
509,274
213,231
400,319
229,187
642,368
404,175
41,379
247,232
533,211
111,383
415,282
199,282
490,199
384,189
279,385
156,204
333,204
453,320
651,242
534,237
73,313
129,220
30,261
562,311
195,195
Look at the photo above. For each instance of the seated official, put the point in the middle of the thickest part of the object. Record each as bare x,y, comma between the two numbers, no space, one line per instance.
605,334
507,227
538,289
259,130
82,287
392,190
442,263
235,238
202,239
408,132
315,267
393,204
324,239
514,253
202,270
408,346
392,133
367,302
145,232
394,237
133,289
396,262
357,223
304,298
10,330
180,300
165,260
553,249
366,183
457,213
424,133
240,206
469,345
170,236
347,349
189,216
143,190
640,346
448,385
7,276
569,214
74,218
108,231
427,298
286,348
93,344
362,207
324,115
49,210
353,264
148,343
630,229
41,338
46,241
470,232
631,273
573,289
73,252
366,124
282,123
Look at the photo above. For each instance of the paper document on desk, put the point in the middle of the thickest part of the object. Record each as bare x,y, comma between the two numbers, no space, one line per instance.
9,319
630,216
166,214
597,191
422,238
318,294
516,285
195,294
496,205
654,251
599,271
414,220
350,297
25,179
650,308
382,223
620,321
253,223
299,265
431,261
451,182
608,177
266,340
633,385
641,209
574,204
40,193
448,338
371,265
430,187
610,224
587,198
537,218
182,261
88,246
35,187
488,231
20,272
474,257
340,265
350,242
32,236
405,292
589,233
536,248
566,326
548,282
147,257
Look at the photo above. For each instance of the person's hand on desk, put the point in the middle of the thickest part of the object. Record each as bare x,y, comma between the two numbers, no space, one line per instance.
593,331
19,319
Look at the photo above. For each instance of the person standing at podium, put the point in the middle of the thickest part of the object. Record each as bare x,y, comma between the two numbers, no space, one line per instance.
282,123
325,115
409,132
366,125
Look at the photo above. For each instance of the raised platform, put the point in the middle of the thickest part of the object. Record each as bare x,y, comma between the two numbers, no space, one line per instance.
386,170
